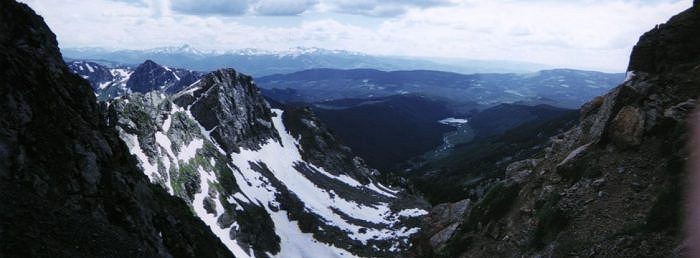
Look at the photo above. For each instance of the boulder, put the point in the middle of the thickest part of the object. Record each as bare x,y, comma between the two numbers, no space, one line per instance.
627,128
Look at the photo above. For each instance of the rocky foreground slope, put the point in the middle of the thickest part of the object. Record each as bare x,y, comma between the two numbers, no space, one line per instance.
612,186
68,186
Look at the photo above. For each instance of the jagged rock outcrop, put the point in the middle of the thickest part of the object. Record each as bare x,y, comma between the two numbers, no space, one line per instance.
613,185
247,120
94,73
259,177
68,184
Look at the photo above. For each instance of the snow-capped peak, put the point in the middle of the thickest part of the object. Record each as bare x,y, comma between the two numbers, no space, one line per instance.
291,52
184,49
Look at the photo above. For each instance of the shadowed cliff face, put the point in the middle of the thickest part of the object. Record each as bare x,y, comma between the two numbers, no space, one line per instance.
669,47
611,186
68,184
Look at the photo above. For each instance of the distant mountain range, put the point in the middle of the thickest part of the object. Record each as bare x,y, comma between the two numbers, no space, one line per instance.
560,87
259,62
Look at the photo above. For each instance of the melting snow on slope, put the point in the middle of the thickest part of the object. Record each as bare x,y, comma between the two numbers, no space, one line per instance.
171,71
294,243
280,160
133,143
211,219
190,150
167,122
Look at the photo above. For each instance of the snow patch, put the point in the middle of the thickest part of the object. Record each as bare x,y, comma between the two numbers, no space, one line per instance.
135,149
165,142
190,150
172,72
514,93
412,212
452,121
211,219
280,160
166,123
294,243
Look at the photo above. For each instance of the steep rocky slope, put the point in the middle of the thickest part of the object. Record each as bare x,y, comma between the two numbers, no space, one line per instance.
268,182
68,184
466,170
612,186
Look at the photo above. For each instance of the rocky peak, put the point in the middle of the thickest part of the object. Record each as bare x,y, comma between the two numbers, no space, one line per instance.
229,105
150,76
69,186
149,65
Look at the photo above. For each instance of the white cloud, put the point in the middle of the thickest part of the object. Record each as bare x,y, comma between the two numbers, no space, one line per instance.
210,7
242,7
282,7
587,34
381,8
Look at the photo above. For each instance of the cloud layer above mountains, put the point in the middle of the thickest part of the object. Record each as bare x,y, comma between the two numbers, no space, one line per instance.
589,34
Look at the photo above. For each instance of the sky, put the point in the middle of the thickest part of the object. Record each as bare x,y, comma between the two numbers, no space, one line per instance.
584,34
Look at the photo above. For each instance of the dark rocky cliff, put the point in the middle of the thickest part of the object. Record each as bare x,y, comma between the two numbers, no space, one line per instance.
612,186
68,184
243,117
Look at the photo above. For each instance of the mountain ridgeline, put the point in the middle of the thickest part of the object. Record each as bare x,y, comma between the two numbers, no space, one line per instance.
259,63
611,186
